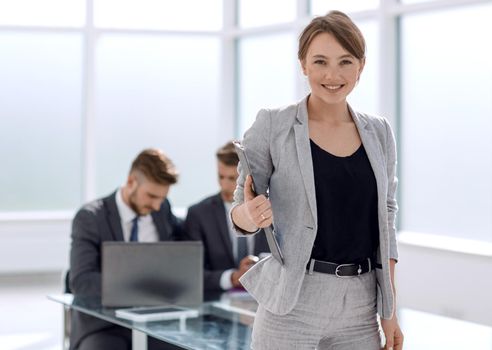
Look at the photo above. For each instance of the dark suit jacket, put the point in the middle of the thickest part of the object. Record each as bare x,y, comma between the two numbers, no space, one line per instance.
94,223
207,222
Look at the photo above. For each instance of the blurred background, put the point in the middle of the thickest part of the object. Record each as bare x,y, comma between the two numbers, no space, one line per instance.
86,84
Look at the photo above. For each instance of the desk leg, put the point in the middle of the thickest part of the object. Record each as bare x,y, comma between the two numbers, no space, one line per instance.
139,340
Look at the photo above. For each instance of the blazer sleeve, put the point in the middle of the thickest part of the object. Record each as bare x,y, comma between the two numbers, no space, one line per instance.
257,147
194,232
391,203
85,255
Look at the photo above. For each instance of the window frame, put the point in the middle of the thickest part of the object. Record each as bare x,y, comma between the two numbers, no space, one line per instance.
387,16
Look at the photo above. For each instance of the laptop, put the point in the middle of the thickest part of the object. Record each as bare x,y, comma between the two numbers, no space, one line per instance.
149,274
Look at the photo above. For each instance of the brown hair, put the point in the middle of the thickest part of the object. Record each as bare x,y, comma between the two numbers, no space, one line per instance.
227,154
155,166
341,27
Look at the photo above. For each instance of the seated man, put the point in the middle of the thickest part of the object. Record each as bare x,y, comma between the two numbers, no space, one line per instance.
138,211
227,256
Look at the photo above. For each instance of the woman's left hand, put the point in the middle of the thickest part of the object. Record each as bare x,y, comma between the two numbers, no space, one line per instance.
393,334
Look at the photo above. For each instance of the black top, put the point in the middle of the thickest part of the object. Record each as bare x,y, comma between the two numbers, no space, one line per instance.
347,205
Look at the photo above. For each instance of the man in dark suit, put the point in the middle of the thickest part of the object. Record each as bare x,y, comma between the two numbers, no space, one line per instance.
138,211
227,257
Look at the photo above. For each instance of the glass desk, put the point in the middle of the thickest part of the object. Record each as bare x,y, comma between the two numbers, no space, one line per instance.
225,322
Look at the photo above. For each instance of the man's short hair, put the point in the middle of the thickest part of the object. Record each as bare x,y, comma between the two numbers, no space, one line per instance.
227,154
155,166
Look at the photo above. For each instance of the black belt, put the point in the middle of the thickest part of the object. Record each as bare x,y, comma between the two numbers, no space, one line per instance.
341,270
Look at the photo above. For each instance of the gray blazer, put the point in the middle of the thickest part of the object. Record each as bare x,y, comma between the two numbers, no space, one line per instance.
278,149
206,221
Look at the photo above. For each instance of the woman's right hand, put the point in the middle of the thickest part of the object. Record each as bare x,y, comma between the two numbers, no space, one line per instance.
258,209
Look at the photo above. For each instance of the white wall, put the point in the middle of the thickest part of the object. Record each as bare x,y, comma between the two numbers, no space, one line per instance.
452,282
37,245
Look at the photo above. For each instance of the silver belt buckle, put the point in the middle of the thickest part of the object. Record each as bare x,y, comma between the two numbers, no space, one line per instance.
342,265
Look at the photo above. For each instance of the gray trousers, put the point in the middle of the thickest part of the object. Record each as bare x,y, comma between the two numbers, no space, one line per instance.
331,314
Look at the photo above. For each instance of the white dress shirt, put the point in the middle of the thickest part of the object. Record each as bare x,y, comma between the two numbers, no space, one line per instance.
225,278
147,232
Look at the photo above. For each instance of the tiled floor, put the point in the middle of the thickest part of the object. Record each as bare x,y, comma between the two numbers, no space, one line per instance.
28,320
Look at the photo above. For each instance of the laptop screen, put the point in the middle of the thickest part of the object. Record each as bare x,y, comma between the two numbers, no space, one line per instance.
147,274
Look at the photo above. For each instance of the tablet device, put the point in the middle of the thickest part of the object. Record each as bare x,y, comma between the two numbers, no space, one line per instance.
159,313
269,232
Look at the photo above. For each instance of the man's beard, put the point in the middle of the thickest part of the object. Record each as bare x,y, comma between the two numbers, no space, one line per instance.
132,203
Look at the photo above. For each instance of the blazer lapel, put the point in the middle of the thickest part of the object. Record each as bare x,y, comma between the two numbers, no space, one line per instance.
372,147
301,132
113,218
221,219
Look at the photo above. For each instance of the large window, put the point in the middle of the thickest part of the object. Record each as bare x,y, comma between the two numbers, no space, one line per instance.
254,13
159,91
321,7
199,15
446,122
40,114
414,1
48,13
86,84
267,70
82,93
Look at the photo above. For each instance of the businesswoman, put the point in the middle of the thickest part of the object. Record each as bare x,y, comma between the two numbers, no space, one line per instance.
330,174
